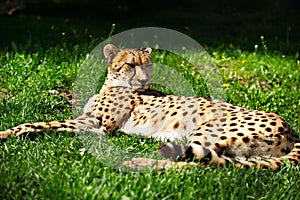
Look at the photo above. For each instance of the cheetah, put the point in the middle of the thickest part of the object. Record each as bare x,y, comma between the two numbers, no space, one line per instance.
217,132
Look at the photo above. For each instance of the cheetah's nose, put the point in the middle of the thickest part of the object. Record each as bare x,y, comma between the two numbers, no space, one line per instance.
143,81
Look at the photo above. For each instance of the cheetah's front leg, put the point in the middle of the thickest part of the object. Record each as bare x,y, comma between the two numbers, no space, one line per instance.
83,123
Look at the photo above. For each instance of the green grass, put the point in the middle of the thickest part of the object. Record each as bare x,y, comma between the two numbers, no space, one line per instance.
54,165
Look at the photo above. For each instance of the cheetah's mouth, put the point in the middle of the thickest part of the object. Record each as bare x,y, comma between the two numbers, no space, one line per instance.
140,86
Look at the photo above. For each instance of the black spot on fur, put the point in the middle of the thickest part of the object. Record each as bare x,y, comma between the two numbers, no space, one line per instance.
273,123
290,139
64,126
174,113
269,142
176,125
240,134
283,150
198,134
194,120
217,145
268,129
188,154
246,139
39,127
280,129
278,136
197,142
209,125
223,137
284,125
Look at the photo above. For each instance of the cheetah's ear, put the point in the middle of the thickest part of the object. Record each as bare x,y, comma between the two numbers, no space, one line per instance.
110,51
148,51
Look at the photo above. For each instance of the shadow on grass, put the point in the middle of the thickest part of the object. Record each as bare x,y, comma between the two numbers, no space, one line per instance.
42,25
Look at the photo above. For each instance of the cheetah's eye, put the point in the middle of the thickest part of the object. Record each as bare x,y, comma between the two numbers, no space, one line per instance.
131,65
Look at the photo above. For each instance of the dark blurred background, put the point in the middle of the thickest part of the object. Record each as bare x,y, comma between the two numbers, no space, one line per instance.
213,22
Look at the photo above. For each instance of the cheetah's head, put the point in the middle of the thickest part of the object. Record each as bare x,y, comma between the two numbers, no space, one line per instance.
128,67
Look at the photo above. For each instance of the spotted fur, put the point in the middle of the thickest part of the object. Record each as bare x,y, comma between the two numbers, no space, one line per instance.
217,132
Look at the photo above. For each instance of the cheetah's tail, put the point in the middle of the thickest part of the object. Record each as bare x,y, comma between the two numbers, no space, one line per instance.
192,153
208,156
275,163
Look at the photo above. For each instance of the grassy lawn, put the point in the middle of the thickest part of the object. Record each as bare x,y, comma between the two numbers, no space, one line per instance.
39,65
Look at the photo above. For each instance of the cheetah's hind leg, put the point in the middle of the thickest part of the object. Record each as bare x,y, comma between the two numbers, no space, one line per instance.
141,164
170,151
